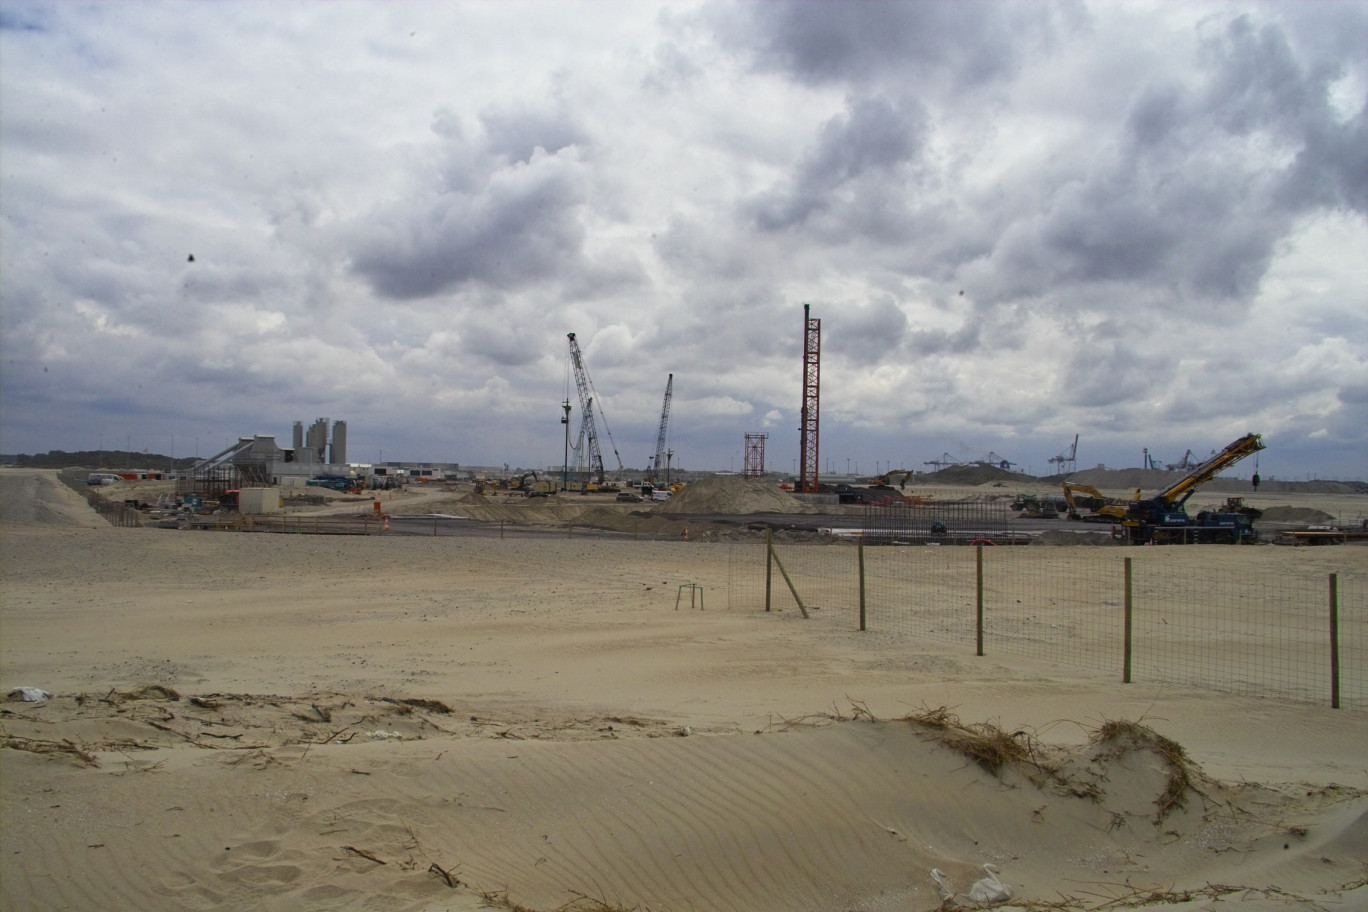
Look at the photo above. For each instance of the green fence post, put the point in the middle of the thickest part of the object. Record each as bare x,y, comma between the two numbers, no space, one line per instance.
1334,642
978,596
1126,639
769,561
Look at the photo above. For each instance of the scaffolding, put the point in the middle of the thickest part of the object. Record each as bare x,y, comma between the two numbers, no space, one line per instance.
755,455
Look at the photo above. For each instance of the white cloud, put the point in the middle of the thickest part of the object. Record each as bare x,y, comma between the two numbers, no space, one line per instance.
1017,221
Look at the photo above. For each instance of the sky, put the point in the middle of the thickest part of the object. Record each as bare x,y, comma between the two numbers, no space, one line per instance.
1144,224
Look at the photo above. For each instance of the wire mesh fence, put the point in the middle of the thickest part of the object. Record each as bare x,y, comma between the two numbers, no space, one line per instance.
1160,617
117,513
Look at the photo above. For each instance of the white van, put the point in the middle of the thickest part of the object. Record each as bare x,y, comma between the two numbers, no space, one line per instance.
658,494
102,478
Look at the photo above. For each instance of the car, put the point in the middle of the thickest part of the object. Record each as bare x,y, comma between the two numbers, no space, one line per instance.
628,497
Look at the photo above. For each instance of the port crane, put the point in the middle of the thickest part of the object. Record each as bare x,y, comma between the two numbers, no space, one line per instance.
586,397
944,461
1067,460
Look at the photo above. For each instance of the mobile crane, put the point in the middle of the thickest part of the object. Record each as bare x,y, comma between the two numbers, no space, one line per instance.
1162,519
585,387
657,467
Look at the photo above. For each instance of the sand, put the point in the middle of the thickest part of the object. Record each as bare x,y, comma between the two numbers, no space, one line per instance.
292,722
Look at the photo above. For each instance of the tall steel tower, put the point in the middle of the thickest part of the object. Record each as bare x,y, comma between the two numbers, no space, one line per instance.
754,466
812,369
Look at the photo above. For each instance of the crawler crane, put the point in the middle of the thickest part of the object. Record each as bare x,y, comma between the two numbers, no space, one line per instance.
1162,519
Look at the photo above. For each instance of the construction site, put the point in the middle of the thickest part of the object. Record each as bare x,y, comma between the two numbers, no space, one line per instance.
583,686
257,484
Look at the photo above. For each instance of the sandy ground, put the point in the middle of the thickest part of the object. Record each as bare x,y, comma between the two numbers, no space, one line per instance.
292,722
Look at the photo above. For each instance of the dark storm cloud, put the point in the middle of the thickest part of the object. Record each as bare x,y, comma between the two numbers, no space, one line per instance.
518,133
501,210
866,335
1183,196
865,148
1260,84
964,43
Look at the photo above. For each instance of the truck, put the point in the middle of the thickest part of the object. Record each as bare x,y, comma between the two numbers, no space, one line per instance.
1163,520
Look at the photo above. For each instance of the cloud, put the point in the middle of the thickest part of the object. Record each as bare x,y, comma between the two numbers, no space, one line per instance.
506,226
964,44
1017,222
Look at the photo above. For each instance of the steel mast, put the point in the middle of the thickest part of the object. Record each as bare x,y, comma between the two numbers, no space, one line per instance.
586,409
664,422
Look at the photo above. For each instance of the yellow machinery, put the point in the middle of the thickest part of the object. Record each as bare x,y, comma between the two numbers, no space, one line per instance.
1101,509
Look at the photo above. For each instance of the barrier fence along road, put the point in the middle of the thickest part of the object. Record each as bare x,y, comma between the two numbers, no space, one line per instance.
1298,636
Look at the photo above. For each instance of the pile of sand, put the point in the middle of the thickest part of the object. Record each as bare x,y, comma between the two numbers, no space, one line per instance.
973,475
1148,480
1307,515
732,494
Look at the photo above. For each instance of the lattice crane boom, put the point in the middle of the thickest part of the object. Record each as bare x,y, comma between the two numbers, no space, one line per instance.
664,423
587,428
585,386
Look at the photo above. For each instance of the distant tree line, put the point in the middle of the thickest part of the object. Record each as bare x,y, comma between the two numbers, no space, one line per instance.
99,459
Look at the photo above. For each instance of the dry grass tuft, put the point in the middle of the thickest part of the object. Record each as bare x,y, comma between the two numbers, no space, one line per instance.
64,747
1124,735
986,744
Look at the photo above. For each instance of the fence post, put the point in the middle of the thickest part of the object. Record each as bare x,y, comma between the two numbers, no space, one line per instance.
860,547
978,596
1334,642
792,588
1126,639
769,561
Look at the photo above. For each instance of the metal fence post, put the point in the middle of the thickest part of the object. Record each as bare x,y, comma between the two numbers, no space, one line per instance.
978,589
1126,640
769,562
1334,642
860,548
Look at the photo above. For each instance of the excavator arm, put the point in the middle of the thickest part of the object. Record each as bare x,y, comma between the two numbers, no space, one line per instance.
1100,509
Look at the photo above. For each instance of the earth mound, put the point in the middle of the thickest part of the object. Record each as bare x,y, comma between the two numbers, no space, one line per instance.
1306,515
1063,537
973,475
732,494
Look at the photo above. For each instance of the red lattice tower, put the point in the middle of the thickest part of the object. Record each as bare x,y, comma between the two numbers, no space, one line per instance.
755,455
812,369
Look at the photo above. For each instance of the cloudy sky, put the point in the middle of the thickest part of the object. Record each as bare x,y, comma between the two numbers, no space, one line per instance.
1142,223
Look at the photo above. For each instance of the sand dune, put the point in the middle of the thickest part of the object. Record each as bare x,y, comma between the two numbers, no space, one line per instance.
296,723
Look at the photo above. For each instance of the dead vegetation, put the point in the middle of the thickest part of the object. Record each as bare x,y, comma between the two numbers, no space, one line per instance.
1122,736
994,749
984,743
153,716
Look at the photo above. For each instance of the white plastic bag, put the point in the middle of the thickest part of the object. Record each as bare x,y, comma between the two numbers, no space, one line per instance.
30,695
987,891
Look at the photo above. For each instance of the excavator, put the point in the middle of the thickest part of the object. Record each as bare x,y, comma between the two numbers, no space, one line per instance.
1162,519
1102,509
885,480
